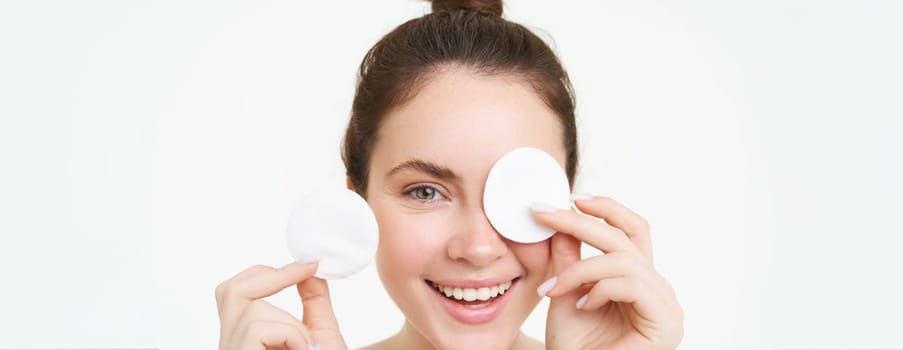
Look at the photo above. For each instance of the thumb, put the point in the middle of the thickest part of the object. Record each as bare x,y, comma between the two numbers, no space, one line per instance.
565,250
318,314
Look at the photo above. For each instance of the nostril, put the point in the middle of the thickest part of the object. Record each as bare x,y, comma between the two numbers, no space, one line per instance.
477,242
479,254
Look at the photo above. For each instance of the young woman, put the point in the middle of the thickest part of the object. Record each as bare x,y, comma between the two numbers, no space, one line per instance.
439,100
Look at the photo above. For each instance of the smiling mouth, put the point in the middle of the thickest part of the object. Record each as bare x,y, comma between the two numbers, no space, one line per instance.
466,295
473,302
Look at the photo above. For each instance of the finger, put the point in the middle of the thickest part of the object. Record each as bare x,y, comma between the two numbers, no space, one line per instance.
587,229
565,250
318,313
263,282
254,283
227,288
265,334
593,269
629,290
222,287
262,310
635,226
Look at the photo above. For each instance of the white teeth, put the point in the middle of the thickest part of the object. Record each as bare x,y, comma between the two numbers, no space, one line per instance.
483,294
471,294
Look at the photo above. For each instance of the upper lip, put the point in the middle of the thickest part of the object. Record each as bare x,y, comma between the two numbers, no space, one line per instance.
472,283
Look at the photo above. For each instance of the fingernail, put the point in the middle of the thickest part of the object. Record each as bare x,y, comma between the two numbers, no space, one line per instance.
314,347
546,286
542,208
582,301
580,196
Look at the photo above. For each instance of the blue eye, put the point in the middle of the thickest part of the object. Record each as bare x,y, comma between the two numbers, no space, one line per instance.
425,193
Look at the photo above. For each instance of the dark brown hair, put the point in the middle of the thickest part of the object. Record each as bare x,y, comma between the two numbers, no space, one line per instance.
468,34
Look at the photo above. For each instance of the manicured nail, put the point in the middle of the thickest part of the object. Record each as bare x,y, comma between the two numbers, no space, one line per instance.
542,208
546,286
582,301
314,347
580,196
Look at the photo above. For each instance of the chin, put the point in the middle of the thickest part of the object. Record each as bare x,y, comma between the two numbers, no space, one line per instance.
484,339
451,324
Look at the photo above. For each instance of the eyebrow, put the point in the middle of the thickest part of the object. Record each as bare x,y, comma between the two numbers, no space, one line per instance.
431,168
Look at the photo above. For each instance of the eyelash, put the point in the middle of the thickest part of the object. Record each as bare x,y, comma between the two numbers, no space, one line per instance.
436,193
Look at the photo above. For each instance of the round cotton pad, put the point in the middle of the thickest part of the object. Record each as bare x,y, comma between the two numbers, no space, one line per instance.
519,179
335,227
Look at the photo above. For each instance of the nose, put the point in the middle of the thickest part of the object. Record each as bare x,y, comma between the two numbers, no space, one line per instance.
476,241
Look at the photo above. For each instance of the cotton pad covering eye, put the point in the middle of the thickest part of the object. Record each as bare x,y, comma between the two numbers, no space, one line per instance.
335,227
517,180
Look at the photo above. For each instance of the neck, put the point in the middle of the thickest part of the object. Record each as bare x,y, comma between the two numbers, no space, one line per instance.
410,338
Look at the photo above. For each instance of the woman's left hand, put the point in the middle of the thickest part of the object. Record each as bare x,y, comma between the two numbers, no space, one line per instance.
611,301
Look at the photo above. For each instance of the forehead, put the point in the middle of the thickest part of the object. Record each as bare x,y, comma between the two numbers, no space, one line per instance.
465,122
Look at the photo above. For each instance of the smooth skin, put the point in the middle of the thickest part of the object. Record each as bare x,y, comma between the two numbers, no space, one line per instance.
612,301
248,322
462,122
627,306
623,302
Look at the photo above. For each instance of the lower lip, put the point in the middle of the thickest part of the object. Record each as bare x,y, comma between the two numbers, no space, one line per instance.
476,313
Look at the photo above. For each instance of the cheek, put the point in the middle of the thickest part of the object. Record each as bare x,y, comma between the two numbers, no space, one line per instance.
408,242
534,257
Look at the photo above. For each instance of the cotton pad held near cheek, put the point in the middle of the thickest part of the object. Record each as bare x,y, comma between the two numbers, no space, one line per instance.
519,179
335,227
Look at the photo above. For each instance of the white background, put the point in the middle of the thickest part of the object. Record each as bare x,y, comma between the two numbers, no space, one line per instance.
150,150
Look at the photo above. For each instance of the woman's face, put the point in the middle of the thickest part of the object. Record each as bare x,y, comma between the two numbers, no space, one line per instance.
427,172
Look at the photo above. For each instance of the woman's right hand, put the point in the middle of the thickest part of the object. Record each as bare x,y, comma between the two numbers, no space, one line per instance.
248,322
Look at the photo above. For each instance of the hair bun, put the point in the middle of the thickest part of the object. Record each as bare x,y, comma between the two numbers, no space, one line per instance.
488,7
